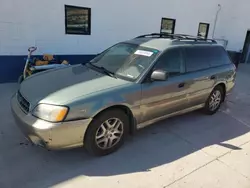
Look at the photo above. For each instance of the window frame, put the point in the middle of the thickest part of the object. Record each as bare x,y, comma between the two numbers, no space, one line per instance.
169,19
89,20
207,31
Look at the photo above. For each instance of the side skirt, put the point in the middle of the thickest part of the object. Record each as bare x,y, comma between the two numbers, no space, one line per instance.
147,123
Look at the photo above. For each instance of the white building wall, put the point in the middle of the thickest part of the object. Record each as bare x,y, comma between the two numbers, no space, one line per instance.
25,23
234,21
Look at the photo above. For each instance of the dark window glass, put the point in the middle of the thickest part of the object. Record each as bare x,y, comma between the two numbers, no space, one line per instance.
167,25
196,58
171,62
218,56
77,20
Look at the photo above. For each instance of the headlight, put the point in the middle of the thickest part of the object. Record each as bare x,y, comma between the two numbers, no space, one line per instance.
50,113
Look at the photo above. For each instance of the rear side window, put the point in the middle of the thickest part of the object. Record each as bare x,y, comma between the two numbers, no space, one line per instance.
196,59
218,56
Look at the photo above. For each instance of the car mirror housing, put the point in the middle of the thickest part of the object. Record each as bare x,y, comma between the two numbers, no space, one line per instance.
159,75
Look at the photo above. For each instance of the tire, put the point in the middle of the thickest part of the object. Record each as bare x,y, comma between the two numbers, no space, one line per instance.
99,132
216,95
20,79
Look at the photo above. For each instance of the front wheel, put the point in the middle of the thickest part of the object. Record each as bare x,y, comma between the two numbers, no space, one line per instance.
107,132
214,101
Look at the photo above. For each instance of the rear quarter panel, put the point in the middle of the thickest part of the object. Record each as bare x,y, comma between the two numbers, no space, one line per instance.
200,84
224,74
227,75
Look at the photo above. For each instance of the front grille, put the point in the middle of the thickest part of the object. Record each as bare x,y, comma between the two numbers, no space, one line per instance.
24,104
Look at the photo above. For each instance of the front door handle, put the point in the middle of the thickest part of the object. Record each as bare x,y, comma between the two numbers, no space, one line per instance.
181,85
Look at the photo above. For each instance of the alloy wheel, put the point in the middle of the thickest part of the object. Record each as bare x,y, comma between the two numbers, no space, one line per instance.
215,100
109,133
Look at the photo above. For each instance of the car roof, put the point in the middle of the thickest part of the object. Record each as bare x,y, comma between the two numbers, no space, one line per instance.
161,42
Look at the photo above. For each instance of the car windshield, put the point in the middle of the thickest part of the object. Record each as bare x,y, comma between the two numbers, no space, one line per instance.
127,61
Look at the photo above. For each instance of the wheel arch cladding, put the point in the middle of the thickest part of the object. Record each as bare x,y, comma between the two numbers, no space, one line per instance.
127,111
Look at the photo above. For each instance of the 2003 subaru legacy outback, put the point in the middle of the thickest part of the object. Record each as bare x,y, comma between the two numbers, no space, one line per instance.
125,88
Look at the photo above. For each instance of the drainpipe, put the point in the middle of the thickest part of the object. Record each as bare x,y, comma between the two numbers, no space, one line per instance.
216,19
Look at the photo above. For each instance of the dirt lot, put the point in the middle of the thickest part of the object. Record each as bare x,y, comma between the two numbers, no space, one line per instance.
193,150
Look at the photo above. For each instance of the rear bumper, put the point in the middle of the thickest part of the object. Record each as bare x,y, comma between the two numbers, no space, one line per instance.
50,135
229,87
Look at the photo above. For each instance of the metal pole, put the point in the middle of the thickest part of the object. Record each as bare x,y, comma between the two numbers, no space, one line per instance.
216,19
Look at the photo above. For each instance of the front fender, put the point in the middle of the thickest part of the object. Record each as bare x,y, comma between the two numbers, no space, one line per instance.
89,107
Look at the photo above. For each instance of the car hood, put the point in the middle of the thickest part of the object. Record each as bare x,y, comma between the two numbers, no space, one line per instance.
63,85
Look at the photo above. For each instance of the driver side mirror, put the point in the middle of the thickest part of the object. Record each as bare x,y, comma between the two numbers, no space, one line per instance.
159,75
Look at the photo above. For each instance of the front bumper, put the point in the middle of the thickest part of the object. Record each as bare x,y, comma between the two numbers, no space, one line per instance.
53,136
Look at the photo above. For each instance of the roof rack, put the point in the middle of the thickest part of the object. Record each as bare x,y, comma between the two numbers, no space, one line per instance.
177,37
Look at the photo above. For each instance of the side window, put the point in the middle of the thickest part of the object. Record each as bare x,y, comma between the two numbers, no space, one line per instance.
218,56
197,58
171,62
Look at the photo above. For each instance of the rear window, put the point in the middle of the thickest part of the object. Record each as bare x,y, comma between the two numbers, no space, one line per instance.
203,57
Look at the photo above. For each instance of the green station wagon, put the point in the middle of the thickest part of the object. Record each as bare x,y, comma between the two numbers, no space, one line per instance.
125,88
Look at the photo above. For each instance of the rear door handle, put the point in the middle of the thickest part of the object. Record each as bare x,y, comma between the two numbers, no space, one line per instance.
212,77
181,85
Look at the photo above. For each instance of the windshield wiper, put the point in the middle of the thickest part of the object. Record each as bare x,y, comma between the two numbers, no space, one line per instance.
103,69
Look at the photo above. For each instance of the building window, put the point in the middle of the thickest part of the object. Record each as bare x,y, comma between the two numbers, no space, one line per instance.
77,20
203,30
167,25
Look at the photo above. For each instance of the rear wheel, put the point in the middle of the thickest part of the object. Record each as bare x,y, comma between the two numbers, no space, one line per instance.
214,101
107,132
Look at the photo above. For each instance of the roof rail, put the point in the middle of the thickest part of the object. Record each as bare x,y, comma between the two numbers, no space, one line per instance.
177,37
160,35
